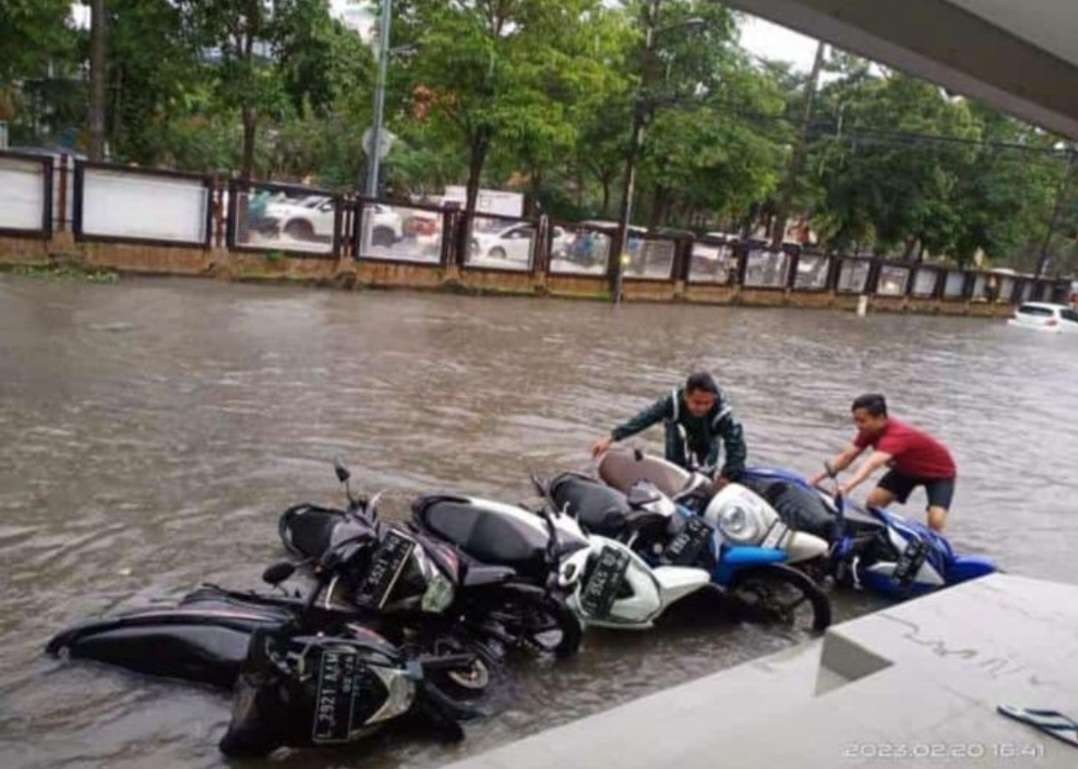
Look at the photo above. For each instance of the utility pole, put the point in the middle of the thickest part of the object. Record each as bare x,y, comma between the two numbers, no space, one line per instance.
1061,197
797,158
373,157
98,77
636,139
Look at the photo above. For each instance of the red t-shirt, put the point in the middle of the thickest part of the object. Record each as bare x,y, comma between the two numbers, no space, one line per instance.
913,452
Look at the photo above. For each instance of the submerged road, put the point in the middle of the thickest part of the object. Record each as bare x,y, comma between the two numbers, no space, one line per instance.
151,431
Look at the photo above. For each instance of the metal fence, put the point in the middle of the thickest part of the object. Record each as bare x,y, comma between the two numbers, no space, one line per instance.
578,249
136,205
284,218
39,194
402,232
26,197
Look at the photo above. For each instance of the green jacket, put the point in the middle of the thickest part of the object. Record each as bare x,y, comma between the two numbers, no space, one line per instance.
693,441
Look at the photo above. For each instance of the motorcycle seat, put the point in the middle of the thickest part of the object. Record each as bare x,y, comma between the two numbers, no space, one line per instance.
598,508
860,522
484,535
478,574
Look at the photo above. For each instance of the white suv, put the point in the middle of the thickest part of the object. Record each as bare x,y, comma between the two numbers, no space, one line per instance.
1041,316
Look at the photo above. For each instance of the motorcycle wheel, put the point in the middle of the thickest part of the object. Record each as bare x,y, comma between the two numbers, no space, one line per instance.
545,624
472,683
780,594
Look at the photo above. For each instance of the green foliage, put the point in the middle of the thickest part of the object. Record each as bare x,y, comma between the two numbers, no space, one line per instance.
539,96
64,272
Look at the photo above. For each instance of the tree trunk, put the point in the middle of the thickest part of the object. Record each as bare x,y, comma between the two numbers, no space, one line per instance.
480,144
535,184
605,181
797,157
656,207
250,126
98,78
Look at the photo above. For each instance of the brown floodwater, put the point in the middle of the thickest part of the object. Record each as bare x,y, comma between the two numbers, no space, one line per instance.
152,431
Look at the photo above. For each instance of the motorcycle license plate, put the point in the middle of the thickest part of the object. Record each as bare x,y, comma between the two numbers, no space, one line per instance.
685,548
386,567
602,586
333,708
909,563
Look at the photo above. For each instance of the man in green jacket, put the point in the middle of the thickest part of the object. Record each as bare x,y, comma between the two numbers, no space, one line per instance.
696,417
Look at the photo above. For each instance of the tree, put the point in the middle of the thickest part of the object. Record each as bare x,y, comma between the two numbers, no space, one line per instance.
250,40
40,57
98,77
494,69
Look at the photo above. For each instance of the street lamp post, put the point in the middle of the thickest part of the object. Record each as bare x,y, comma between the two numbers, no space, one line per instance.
642,108
379,99
636,139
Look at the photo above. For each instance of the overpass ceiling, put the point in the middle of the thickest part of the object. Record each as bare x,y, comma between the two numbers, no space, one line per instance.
1020,56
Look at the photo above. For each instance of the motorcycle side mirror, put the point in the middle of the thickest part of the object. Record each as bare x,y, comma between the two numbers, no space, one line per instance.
342,472
277,573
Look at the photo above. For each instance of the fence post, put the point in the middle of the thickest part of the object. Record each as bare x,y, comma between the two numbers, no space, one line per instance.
61,219
872,280
683,258
741,253
795,259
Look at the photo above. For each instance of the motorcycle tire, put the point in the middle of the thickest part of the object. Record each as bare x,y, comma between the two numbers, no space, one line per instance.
543,623
775,593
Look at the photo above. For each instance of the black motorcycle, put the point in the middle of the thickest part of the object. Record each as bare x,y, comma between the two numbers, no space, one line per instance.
206,637
300,690
414,572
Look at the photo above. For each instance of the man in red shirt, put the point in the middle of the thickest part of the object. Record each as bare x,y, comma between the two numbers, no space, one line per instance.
915,458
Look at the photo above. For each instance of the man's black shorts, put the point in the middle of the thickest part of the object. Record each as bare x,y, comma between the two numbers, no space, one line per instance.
939,490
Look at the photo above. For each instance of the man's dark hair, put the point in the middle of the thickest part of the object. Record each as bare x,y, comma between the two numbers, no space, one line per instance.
874,403
701,380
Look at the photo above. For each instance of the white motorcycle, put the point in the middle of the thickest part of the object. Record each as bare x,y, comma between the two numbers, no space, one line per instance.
604,582
743,517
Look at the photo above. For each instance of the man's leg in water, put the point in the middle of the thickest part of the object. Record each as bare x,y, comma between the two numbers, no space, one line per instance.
880,497
939,494
937,517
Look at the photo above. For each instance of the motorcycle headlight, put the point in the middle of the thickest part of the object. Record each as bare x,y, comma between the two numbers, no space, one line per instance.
738,524
439,593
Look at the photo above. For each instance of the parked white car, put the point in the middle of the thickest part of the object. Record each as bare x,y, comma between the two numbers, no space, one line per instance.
312,218
513,242
1041,316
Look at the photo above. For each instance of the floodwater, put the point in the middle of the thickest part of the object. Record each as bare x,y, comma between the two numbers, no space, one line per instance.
151,432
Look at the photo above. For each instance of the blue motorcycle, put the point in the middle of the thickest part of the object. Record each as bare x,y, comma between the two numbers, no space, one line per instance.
870,548
757,580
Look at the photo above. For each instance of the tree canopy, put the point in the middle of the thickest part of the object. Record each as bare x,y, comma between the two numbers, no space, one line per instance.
538,96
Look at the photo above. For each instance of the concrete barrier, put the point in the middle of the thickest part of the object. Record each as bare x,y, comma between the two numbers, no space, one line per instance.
913,685
347,273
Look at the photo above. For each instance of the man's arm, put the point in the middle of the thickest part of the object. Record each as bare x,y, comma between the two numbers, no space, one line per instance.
733,440
661,409
876,460
839,462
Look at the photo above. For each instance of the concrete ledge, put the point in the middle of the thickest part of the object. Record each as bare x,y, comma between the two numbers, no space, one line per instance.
705,293
348,274
913,685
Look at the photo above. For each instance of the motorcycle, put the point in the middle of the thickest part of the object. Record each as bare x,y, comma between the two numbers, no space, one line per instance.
605,583
300,690
405,571
871,548
206,637
742,516
749,567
